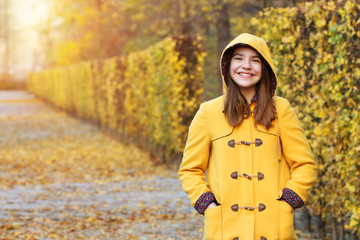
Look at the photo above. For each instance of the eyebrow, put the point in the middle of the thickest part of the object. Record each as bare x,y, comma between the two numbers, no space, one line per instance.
255,56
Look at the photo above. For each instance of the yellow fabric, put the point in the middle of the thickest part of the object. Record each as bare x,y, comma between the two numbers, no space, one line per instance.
209,161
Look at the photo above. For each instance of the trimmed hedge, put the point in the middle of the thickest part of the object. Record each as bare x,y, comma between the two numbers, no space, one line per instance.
148,97
316,49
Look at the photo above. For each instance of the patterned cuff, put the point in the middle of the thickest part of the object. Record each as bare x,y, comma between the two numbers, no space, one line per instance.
292,198
204,201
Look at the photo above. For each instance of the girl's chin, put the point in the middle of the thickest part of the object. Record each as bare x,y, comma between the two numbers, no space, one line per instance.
246,85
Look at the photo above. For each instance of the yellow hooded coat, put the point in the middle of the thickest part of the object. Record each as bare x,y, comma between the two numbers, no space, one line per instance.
247,179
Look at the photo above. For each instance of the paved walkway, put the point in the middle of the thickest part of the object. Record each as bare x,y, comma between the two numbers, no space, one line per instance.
61,178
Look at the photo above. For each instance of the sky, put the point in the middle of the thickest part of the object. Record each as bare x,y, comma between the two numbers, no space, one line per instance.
26,16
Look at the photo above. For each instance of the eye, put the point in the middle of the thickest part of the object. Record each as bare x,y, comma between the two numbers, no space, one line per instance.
238,58
256,60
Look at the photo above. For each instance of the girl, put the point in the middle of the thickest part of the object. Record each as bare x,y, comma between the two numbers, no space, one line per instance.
247,163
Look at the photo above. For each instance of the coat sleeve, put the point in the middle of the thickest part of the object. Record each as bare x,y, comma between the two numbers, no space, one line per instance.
195,158
297,153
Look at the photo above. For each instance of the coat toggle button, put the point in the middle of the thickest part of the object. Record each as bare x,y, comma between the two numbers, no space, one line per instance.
258,142
231,143
247,176
261,207
260,176
235,207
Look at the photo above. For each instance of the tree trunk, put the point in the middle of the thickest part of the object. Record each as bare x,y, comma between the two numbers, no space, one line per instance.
353,236
266,3
341,230
184,16
302,220
223,31
333,228
319,227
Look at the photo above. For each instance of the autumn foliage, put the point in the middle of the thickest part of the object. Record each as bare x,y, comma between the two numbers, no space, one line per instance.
147,97
316,49
150,96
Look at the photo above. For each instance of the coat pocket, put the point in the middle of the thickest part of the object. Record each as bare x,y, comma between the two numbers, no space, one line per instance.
286,214
213,224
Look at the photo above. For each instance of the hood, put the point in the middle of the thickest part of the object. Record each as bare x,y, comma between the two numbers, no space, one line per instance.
255,42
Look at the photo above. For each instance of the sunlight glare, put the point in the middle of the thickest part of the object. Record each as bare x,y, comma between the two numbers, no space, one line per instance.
28,17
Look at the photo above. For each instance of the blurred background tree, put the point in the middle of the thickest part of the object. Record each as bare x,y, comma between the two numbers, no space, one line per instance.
5,34
96,29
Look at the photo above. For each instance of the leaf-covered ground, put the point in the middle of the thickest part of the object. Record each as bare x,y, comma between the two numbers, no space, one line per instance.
61,178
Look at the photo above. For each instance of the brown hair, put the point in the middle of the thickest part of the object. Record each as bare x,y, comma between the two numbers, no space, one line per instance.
236,107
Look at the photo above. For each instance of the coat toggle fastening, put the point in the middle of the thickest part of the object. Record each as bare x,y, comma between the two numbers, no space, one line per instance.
236,207
235,175
257,142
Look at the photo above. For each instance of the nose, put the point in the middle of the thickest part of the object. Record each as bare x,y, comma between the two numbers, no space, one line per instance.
246,64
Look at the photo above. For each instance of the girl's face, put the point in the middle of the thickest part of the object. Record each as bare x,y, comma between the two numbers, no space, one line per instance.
246,69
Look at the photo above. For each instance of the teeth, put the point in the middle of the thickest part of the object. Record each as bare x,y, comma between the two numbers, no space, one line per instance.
245,74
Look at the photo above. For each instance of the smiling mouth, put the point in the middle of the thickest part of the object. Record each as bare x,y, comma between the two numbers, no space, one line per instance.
245,74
